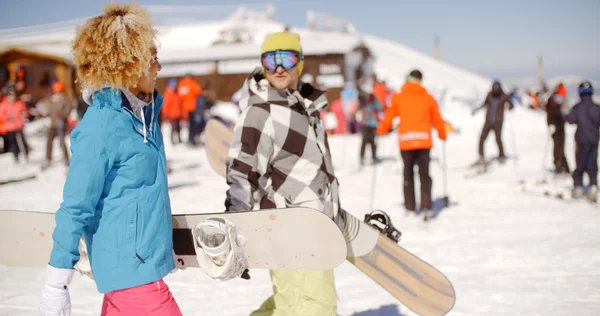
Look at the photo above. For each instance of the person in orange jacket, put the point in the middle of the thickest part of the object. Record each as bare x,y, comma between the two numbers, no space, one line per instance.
418,112
173,110
189,90
13,113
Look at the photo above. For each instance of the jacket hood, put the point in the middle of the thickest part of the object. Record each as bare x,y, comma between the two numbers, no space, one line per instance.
113,99
257,89
497,89
116,100
413,88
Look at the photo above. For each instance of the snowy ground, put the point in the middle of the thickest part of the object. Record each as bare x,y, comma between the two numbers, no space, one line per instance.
506,252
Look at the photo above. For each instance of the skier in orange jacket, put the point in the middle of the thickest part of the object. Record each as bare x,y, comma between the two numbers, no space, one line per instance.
189,90
418,112
173,110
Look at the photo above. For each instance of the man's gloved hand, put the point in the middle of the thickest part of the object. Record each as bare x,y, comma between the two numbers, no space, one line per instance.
229,265
55,298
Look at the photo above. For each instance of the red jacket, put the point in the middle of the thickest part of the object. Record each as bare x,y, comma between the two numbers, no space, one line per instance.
12,115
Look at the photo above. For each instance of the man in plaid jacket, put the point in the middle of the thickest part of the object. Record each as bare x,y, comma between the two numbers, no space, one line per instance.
279,157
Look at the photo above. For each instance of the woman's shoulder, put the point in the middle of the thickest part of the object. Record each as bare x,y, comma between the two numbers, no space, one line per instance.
101,123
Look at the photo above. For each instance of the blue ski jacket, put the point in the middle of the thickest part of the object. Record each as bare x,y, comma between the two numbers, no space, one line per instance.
116,196
586,114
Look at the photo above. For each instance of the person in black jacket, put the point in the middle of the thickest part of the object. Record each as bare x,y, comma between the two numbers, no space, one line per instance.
586,115
556,125
495,101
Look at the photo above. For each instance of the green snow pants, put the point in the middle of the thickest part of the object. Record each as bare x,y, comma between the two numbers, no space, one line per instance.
301,293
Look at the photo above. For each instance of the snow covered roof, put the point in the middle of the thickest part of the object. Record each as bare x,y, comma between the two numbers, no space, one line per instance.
192,46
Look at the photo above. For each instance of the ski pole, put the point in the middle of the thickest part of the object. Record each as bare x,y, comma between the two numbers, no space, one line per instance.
512,140
545,155
445,173
373,185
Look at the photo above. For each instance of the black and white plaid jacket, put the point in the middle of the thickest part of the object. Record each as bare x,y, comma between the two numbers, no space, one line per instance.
279,152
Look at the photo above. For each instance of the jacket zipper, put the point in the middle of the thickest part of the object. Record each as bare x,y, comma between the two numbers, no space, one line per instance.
133,118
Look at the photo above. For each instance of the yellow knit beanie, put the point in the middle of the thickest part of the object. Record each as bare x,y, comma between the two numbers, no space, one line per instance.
283,41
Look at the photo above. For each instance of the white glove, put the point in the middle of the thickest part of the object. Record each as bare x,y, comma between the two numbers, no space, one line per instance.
223,260
551,129
55,295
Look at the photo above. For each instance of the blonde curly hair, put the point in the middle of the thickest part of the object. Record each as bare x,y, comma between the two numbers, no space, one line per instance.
114,49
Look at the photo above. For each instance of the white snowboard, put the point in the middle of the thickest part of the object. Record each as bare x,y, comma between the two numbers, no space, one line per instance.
291,238
294,238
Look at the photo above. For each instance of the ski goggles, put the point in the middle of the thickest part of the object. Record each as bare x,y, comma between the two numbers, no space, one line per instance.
288,59
586,88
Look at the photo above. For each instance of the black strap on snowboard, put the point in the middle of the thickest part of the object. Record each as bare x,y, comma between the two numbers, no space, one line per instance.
382,222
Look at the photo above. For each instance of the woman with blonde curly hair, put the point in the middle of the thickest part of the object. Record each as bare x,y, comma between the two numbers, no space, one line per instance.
116,194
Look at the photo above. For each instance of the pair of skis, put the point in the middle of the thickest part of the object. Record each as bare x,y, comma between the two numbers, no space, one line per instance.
556,188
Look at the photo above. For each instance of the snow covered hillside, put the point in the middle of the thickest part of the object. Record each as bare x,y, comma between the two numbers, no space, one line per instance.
507,252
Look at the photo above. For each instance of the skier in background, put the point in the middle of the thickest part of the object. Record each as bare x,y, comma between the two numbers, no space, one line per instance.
189,90
4,148
13,114
586,115
370,112
172,110
556,126
116,193
418,112
495,102
59,109
280,153
203,104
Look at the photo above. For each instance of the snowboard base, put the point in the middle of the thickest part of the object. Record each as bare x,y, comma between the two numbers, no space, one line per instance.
272,238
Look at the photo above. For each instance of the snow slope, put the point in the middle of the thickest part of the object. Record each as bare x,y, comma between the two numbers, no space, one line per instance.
506,252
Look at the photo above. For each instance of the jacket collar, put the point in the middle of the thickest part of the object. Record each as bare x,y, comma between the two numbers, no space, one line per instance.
257,89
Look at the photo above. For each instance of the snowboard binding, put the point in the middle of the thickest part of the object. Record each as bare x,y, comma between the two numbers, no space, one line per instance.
382,222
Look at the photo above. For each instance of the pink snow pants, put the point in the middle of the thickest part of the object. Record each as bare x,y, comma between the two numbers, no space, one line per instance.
152,299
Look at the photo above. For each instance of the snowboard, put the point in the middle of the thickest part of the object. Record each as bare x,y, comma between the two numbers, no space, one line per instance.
372,247
272,238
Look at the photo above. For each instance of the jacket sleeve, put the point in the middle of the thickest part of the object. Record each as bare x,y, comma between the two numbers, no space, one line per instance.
248,158
510,103
23,110
484,104
89,166
67,107
572,116
438,121
3,113
378,108
386,125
